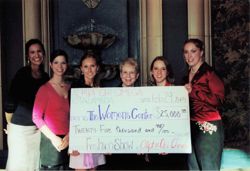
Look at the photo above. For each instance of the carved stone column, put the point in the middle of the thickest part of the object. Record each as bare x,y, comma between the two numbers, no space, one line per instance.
196,19
208,35
45,30
199,23
151,34
31,19
36,23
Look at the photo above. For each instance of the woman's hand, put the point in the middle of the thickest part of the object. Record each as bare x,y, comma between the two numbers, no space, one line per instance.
74,153
57,142
8,117
6,129
188,87
65,142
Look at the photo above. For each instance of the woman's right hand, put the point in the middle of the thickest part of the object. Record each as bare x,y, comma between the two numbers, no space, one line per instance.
6,129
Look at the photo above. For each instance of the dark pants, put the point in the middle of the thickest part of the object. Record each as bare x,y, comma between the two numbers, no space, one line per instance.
206,148
124,162
167,162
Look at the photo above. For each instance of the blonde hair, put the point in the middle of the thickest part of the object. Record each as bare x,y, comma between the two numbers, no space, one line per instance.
131,61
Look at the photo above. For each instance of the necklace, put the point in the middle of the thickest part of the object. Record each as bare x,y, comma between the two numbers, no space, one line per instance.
192,71
60,89
36,74
58,84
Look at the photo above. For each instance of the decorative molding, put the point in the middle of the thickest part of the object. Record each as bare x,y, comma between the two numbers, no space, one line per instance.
91,3
45,30
207,31
143,43
1,83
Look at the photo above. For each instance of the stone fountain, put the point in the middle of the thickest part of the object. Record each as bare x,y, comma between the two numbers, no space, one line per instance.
92,38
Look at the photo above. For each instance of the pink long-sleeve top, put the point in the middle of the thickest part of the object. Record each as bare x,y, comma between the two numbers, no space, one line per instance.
51,109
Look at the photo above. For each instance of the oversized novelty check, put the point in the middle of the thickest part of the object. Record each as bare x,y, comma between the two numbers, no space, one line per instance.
130,120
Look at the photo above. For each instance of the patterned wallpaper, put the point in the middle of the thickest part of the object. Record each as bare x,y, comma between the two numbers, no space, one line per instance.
230,34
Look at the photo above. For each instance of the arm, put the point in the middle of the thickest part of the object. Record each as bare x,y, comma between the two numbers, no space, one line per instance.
13,94
40,106
39,111
8,117
214,95
11,102
55,140
65,142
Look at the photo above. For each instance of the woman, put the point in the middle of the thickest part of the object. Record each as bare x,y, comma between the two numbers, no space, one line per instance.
23,136
129,72
51,115
89,68
206,93
160,72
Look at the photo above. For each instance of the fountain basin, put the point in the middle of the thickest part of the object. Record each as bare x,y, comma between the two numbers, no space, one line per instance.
91,40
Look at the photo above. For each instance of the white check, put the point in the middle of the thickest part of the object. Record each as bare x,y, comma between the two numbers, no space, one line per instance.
130,120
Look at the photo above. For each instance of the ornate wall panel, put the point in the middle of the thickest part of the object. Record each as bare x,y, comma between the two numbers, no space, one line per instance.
118,19
230,23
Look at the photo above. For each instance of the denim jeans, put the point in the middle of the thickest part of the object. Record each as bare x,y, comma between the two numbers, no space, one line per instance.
207,147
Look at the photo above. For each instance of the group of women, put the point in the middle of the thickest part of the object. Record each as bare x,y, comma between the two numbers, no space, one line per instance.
38,131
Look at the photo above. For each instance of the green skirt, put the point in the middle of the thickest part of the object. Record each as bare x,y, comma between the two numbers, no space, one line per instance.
49,156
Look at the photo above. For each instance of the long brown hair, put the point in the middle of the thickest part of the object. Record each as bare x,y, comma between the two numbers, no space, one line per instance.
168,68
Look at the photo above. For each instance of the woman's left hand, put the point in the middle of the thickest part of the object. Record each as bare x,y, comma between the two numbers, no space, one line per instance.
65,142
188,87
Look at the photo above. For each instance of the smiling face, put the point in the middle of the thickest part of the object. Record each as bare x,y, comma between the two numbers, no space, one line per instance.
128,75
35,54
159,72
59,65
193,55
89,69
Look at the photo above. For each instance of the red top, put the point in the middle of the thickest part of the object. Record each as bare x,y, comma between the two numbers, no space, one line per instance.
168,84
207,95
51,109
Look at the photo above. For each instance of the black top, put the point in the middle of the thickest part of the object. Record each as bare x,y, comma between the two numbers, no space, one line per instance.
22,94
79,83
